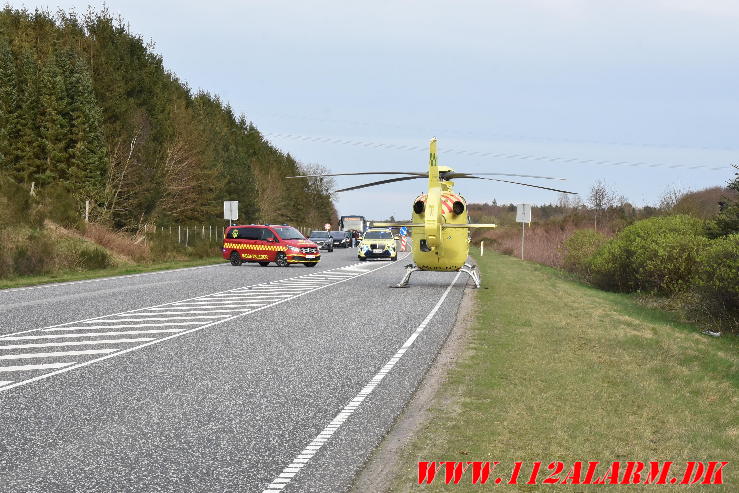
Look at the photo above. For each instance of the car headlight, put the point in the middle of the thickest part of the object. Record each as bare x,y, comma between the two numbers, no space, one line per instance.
293,249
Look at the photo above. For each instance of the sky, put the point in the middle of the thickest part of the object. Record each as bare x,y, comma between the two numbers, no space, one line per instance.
643,95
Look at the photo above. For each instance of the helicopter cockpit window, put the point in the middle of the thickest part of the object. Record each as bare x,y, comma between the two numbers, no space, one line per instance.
378,235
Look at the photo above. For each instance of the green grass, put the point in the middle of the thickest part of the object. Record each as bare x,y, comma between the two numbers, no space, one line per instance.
17,282
557,370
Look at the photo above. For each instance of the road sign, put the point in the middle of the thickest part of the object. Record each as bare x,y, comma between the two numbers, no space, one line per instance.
231,210
403,231
523,216
523,213
327,227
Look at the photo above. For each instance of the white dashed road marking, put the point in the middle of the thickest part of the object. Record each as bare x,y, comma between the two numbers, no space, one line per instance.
115,278
153,323
302,459
56,354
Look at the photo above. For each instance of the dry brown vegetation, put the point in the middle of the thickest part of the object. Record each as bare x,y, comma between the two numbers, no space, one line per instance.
543,243
127,246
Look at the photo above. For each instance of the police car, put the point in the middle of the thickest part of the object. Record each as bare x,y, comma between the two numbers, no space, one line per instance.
265,243
377,243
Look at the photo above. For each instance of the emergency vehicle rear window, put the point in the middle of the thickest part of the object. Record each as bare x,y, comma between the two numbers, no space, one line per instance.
250,233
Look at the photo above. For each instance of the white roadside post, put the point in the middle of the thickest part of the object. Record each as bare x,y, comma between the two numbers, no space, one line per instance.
523,216
230,210
482,248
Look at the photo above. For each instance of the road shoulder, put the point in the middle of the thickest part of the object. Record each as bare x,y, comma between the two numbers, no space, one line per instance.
382,468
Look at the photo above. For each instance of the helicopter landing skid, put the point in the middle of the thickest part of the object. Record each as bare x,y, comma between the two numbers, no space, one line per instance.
409,269
470,270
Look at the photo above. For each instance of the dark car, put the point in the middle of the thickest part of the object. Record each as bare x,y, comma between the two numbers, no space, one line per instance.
342,239
323,239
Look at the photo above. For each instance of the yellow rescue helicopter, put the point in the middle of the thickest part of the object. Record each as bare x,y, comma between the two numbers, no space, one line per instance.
440,226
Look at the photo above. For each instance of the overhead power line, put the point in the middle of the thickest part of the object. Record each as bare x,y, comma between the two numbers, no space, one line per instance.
503,155
493,135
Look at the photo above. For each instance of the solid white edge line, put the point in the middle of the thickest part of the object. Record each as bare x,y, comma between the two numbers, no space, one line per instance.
178,334
302,459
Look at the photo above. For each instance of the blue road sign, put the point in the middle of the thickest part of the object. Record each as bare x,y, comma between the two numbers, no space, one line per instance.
403,231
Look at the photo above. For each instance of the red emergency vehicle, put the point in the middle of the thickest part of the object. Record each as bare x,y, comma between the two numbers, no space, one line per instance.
262,243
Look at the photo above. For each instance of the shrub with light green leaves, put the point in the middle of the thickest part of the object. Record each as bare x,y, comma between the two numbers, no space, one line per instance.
579,249
657,255
717,281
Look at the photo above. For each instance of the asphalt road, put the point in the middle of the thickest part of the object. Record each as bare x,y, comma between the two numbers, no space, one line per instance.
213,378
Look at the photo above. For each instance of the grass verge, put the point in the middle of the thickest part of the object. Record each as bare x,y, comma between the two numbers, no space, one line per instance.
559,371
18,282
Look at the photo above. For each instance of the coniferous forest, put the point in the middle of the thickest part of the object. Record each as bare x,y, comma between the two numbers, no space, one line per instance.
88,107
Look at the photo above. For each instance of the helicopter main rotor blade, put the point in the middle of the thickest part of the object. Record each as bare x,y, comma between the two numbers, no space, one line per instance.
463,175
517,183
413,173
382,182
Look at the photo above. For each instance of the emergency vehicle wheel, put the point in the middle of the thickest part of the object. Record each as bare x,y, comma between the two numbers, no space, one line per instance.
394,258
362,259
235,259
311,264
264,264
281,260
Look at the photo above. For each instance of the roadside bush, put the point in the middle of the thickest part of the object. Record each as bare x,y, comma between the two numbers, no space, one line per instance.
717,282
91,258
6,265
33,257
658,255
61,207
203,248
165,247
14,202
579,249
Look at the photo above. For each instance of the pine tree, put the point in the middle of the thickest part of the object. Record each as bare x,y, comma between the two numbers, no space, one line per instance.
53,128
86,148
8,104
25,155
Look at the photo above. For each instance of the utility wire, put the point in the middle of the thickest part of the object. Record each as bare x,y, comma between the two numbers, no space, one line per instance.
504,155
496,135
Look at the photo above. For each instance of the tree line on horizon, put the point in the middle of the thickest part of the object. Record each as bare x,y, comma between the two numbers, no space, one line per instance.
88,107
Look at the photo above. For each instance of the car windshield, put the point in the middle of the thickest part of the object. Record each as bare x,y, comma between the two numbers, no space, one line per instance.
319,234
289,233
338,234
378,235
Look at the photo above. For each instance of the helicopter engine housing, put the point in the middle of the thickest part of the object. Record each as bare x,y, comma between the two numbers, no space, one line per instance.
453,245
